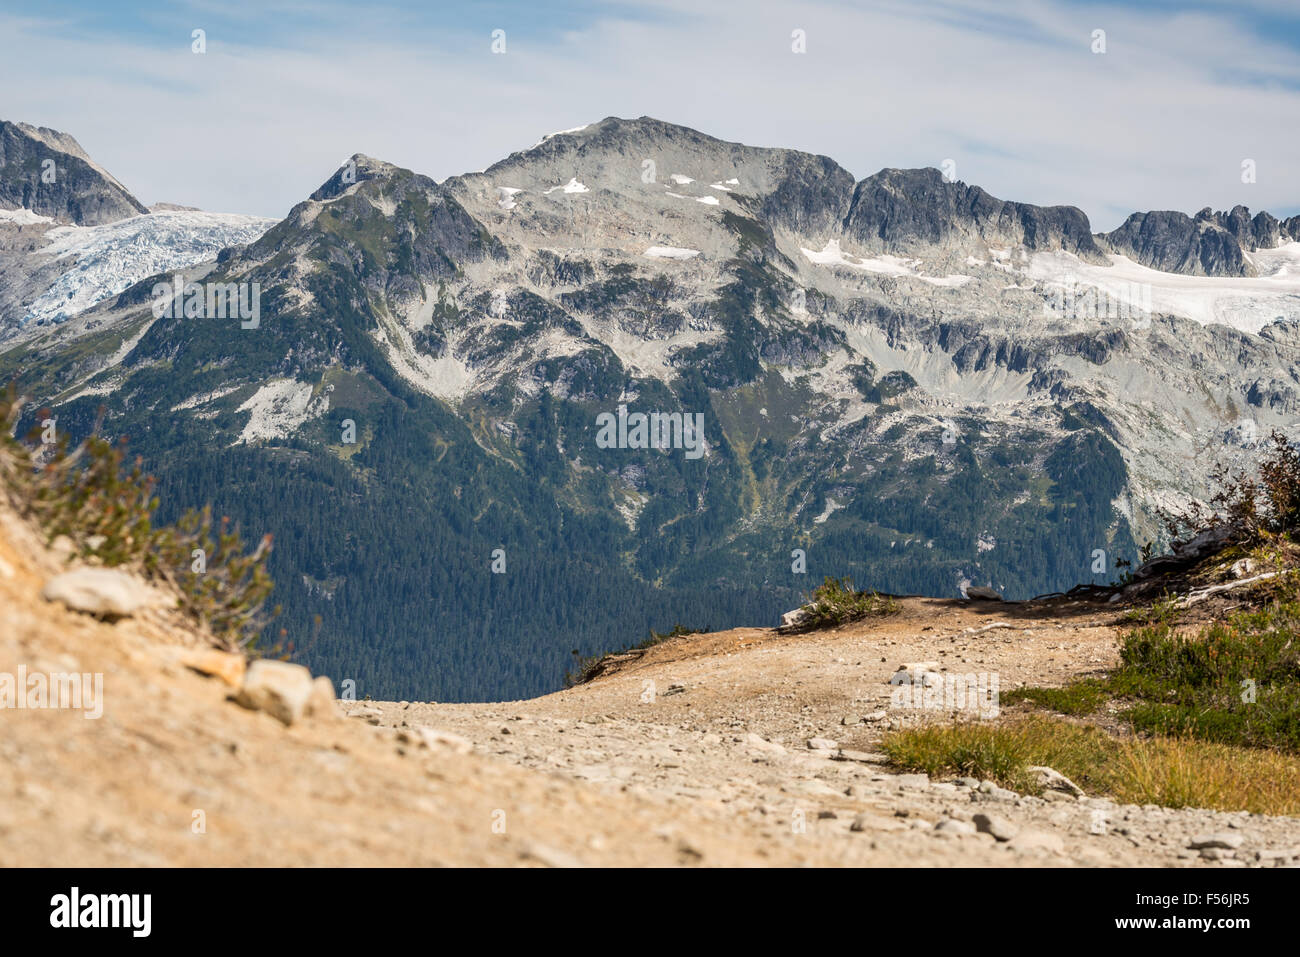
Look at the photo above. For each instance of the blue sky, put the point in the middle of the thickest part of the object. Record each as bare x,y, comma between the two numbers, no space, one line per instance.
1009,89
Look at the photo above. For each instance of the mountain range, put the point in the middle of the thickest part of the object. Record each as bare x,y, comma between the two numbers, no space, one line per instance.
902,380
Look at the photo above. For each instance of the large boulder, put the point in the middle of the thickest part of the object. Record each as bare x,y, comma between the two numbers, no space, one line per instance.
279,688
105,592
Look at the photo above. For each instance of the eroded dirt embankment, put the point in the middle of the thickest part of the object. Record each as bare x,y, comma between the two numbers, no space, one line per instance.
695,753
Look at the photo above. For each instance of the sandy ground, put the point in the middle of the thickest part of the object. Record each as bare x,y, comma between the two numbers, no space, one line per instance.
694,754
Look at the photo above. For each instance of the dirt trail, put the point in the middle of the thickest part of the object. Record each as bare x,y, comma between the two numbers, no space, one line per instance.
694,754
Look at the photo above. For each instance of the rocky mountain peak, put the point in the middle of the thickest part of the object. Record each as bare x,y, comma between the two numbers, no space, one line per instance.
47,172
1209,244
809,196
905,207
358,169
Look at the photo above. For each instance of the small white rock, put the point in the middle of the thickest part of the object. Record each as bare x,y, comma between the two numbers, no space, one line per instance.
1053,780
952,826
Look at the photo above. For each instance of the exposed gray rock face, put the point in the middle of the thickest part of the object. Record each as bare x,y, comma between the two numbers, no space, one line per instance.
1261,232
1174,242
81,192
1211,244
788,189
898,208
810,196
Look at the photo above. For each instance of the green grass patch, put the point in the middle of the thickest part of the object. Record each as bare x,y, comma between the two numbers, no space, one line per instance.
1169,771
1081,698
1236,681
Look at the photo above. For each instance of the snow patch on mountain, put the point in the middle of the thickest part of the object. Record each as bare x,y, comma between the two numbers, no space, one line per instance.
886,265
551,136
1247,304
671,252
23,217
572,186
